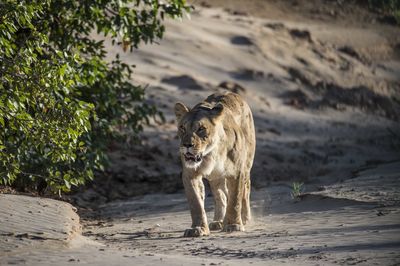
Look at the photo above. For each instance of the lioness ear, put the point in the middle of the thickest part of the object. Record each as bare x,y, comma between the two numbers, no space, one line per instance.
180,110
217,110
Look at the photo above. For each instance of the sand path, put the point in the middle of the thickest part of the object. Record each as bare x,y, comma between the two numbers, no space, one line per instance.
315,230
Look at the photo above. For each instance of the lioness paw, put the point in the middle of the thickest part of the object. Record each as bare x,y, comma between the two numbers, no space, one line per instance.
196,232
233,227
215,226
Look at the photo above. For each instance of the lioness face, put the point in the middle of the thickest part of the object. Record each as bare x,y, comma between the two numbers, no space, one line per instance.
196,141
197,133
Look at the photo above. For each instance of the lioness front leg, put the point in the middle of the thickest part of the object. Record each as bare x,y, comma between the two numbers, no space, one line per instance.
194,190
233,219
246,211
220,193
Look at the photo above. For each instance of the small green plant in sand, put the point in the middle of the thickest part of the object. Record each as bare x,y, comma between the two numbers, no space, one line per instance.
297,190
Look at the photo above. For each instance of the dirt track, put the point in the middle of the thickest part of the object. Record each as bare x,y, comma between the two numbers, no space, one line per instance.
316,230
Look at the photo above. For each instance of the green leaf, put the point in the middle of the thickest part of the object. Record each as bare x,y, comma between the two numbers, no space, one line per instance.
67,184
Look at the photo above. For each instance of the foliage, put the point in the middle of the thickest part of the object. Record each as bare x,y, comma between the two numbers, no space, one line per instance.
390,6
297,190
61,103
385,4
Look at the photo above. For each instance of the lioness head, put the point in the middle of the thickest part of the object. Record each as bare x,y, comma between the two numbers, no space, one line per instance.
197,131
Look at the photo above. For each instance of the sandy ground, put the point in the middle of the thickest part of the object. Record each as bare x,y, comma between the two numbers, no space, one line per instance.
318,229
327,227
323,82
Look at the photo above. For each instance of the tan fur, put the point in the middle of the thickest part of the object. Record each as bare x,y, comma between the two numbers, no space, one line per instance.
218,144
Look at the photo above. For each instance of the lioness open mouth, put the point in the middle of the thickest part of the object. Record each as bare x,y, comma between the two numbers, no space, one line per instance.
193,158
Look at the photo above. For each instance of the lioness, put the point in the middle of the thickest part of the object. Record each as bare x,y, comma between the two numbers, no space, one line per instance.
217,142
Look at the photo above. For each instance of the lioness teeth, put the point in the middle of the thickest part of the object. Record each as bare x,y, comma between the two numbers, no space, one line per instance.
192,157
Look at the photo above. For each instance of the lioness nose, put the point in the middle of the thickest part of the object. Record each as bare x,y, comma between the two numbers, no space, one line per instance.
187,145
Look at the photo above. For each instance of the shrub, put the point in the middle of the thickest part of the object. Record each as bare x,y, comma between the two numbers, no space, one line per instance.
389,6
61,103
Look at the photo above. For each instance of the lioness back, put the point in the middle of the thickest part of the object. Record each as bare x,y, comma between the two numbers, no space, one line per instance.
241,115
238,111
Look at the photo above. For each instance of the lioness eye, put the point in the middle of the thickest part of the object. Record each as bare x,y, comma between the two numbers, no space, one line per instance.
201,129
